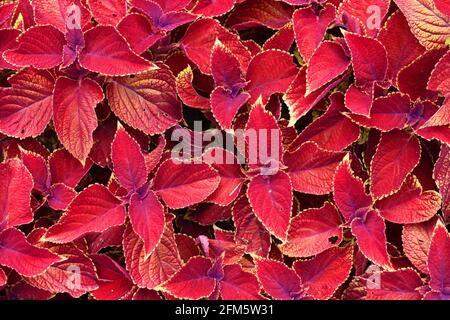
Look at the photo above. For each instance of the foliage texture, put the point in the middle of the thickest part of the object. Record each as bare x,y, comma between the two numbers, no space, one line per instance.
352,201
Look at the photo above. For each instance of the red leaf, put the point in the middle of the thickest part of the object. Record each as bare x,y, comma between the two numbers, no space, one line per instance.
442,6
313,231
397,285
351,150
439,80
27,106
310,28
75,42
198,44
24,14
441,175
397,155
212,8
349,192
159,266
18,254
64,168
231,176
60,196
187,246
114,282
410,204
298,2
162,19
192,280
40,47
3,278
252,47
431,27
238,284
103,137
249,230
312,169
323,274
332,131
327,63
369,58
416,240
37,166
439,260
222,248
6,11
117,190
441,117
225,105
95,209
270,72
433,295
225,67
153,158
370,233
109,238
27,144
172,20
109,11
128,161
147,218
146,101
387,113
162,5
263,137
138,31
59,13
367,13
74,115
76,274
16,184
282,39
172,5
253,13
420,70
428,110
209,213
184,184
289,133
24,291
358,100
278,280
187,92
398,57
107,52
270,197
8,37
145,294
298,102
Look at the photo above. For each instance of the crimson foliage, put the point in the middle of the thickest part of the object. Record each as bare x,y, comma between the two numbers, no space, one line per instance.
93,203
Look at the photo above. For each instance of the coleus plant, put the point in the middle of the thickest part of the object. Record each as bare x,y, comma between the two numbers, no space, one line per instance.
335,185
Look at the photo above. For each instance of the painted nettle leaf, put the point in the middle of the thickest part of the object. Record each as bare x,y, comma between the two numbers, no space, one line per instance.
225,149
